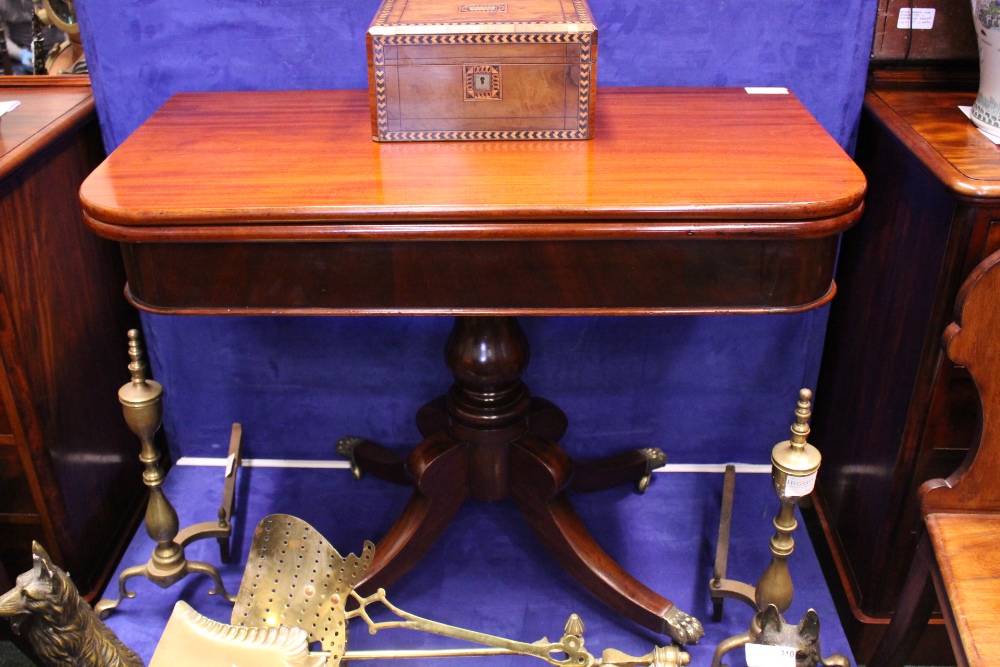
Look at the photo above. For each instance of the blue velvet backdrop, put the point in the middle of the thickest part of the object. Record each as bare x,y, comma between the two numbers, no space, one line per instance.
706,389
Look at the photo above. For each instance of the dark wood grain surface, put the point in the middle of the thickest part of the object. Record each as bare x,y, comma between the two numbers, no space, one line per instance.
74,475
895,411
51,110
943,139
753,180
970,577
971,341
962,512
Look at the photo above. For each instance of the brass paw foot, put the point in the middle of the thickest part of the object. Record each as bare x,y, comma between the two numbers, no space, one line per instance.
655,458
346,447
682,628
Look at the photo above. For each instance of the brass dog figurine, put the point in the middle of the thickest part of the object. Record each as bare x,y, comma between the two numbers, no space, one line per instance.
58,623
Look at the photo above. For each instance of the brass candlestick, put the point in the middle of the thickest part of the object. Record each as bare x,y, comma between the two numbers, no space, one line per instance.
142,404
794,465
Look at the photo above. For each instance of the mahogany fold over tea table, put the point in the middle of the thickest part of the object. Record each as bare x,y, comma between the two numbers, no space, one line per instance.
687,201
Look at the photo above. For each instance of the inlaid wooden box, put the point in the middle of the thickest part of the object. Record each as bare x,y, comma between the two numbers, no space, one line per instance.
447,70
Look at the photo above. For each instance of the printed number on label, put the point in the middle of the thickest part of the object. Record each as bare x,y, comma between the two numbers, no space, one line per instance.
759,655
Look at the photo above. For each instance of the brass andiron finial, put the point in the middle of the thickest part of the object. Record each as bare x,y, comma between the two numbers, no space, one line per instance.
794,466
142,404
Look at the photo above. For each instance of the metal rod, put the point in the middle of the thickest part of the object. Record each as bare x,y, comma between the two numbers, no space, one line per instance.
722,545
389,654
725,524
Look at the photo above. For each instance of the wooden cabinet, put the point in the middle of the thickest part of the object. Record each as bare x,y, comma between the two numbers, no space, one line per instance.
69,470
944,34
891,410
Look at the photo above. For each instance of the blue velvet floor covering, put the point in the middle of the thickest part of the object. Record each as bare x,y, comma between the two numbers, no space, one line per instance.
488,573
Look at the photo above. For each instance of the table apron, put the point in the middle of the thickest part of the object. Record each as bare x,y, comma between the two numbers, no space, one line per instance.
515,277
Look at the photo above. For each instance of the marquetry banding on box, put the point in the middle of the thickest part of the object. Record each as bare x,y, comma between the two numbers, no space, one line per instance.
427,56
381,19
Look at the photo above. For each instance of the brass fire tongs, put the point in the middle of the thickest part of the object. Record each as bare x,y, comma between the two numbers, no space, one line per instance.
295,578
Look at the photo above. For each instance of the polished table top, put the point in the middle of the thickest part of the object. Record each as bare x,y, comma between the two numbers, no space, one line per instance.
687,200
943,139
43,115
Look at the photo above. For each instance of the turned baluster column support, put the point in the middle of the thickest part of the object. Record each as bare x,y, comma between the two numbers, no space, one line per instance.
488,405
794,464
142,405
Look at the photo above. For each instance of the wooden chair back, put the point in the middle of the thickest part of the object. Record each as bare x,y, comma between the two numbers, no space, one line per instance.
973,341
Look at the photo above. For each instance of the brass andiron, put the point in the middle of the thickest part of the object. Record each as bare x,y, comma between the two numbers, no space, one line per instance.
142,404
794,466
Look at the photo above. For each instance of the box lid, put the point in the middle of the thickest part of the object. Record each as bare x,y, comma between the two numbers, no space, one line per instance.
401,17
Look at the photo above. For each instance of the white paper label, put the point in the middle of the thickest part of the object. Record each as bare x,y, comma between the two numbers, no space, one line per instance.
765,90
6,107
923,18
799,486
230,464
759,655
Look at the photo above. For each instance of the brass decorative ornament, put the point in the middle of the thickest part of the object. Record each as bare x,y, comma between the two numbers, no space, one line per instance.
803,638
142,404
345,448
46,607
192,639
655,458
295,592
794,466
